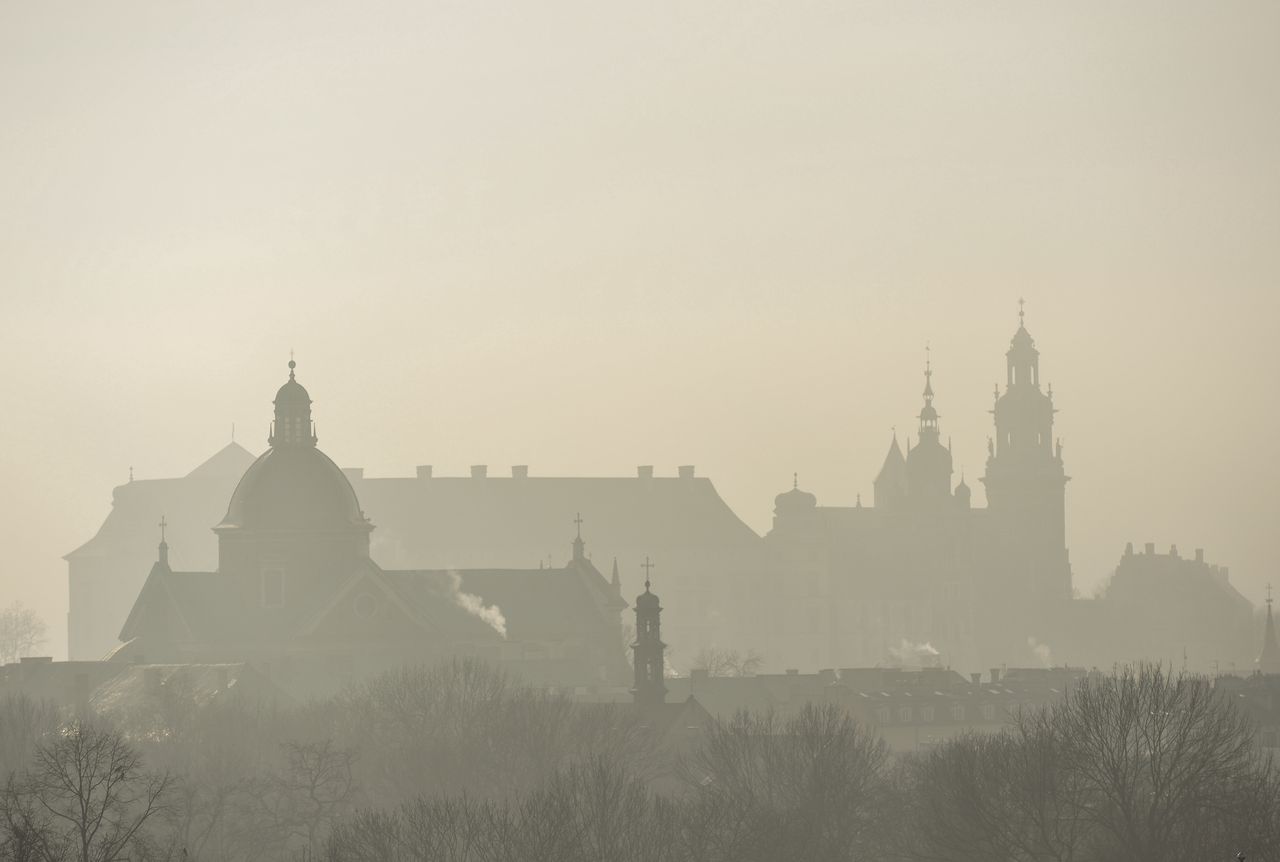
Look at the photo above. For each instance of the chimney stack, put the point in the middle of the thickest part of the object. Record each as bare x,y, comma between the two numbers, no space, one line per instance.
645,472
479,471
520,471
424,471
686,471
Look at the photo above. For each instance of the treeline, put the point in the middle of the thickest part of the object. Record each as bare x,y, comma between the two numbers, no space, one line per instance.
461,764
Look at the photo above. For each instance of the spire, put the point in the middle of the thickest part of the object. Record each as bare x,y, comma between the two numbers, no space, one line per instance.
1269,659
928,415
616,581
649,651
578,544
164,546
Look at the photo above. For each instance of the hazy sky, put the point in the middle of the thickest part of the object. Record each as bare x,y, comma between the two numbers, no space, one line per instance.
586,236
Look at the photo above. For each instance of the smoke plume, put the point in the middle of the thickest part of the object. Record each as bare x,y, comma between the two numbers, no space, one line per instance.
490,615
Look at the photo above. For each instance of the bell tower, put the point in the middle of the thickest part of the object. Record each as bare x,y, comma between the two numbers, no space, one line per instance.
1025,479
649,689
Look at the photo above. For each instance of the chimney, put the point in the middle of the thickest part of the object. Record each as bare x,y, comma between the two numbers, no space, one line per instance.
479,471
353,474
520,471
1173,551
1151,547
1199,555
424,471
975,678
645,472
793,671
686,471
1128,549
995,676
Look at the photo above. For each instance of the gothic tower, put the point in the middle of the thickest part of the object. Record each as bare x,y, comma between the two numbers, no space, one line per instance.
1025,480
649,690
929,462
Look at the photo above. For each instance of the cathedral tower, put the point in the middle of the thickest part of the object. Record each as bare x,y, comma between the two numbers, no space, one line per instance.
649,690
1025,479
929,462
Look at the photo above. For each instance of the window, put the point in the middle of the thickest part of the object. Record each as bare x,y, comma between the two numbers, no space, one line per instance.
988,712
273,588
904,713
926,714
957,712
882,715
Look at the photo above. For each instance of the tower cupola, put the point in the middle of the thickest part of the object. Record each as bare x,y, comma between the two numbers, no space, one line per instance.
292,425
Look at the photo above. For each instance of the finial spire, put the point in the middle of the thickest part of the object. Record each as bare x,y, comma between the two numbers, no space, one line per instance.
131,473
795,481
292,364
164,546
1269,592
615,580
647,566
1022,311
578,544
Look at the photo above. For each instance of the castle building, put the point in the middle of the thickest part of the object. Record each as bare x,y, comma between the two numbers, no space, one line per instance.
296,593
922,577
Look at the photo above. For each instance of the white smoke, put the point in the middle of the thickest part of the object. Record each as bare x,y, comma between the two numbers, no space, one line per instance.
490,615
912,654
1042,651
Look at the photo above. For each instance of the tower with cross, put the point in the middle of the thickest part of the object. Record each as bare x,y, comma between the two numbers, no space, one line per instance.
1025,480
1269,659
648,650
164,546
579,546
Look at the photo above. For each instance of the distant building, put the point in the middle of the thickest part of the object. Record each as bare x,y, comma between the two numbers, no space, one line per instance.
919,577
921,572
296,593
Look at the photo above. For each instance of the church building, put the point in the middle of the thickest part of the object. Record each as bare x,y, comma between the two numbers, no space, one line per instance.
296,593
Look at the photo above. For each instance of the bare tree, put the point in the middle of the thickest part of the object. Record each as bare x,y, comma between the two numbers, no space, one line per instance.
86,796
21,632
723,662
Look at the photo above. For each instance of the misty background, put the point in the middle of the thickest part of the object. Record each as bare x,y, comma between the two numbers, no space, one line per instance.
586,237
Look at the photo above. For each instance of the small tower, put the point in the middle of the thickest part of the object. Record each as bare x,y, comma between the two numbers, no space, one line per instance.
162,559
649,690
1269,659
292,426
929,462
579,546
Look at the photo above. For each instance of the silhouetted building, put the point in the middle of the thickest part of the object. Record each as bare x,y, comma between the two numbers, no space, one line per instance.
1182,611
296,592
1268,660
922,576
649,651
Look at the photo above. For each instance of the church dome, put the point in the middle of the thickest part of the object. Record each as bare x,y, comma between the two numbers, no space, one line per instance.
646,599
794,500
292,392
294,488
293,485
